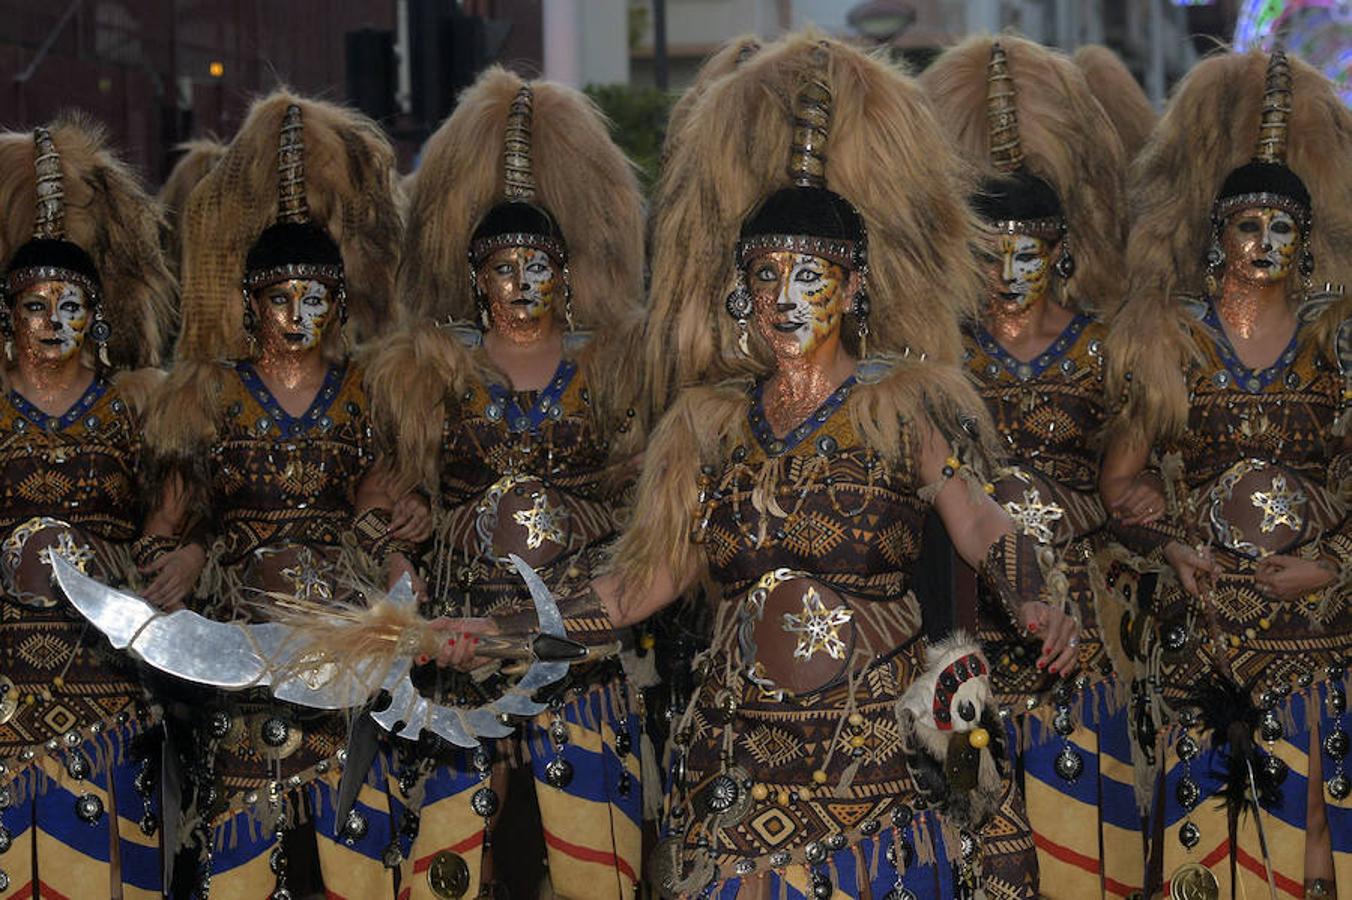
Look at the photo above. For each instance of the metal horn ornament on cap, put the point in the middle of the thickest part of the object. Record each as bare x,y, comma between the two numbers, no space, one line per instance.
1273,125
292,204
811,131
1002,118
50,216
518,176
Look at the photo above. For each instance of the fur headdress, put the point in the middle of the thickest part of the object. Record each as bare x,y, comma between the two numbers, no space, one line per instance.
199,156
1120,95
886,158
345,192
577,176
1209,133
72,206
727,58
1021,113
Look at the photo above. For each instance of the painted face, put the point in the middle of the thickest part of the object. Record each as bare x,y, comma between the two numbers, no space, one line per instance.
1259,244
520,284
1020,272
50,320
798,301
294,313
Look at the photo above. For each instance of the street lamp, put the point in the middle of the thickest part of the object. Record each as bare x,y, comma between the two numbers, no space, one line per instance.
881,20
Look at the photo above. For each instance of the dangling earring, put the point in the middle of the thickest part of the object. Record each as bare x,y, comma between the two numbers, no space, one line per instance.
738,305
1065,263
567,297
861,309
250,325
1215,260
1307,265
6,327
99,332
477,295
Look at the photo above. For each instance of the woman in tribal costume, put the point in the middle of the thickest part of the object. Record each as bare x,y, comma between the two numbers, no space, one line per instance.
509,400
261,439
86,296
1238,372
1052,202
812,757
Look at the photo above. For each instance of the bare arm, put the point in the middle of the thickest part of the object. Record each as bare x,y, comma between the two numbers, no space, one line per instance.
975,523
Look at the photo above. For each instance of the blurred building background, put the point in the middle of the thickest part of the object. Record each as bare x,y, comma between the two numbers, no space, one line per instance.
158,72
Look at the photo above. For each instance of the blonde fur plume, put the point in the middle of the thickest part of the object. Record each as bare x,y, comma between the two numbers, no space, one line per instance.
199,156
1208,130
1068,141
111,217
582,179
887,157
1120,95
348,164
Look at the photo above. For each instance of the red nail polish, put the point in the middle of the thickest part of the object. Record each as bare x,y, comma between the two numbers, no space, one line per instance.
474,639
1052,670
1041,663
450,642
1032,628
422,660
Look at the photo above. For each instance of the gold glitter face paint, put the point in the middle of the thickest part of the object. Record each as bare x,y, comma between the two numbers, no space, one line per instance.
293,313
798,301
1260,245
1021,268
520,284
50,320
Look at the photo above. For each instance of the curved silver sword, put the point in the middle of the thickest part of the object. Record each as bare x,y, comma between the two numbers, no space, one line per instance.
238,656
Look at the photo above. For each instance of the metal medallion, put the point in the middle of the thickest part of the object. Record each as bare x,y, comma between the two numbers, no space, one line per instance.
1187,793
1191,881
1271,727
1339,787
88,808
1336,744
559,772
274,736
1189,835
355,828
1069,764
484,802
448,876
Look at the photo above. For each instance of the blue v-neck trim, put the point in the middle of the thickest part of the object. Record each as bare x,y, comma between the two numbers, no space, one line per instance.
776,446
289,425
30,411
1040,363
1253,381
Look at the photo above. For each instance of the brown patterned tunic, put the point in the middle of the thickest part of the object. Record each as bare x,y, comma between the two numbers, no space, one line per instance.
524,472
58,675
281,490
1259,464
810,543
1049,412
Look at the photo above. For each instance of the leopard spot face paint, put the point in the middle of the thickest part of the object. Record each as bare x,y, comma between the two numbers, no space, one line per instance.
51,319
293,314
798,301
1260,245
520,284
1020,270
